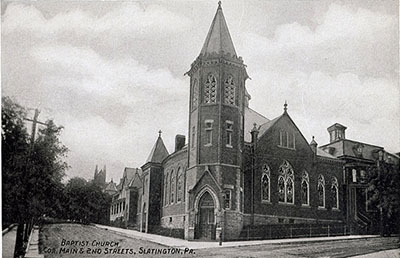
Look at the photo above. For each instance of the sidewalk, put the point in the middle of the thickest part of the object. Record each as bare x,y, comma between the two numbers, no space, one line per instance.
176,242
33,248
394,253
8,240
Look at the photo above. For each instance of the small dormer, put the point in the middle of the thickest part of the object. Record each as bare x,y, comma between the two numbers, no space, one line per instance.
337,132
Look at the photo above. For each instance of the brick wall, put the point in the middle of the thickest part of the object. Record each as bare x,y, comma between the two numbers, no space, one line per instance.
233,225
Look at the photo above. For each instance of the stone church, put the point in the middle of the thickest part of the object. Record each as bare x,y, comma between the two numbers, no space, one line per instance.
238,167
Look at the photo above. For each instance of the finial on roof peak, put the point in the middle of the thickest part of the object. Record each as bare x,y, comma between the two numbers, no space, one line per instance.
285,106
159,133
255,128
219,5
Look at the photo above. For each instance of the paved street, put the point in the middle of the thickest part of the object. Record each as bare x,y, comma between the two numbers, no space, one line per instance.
67,240
8,243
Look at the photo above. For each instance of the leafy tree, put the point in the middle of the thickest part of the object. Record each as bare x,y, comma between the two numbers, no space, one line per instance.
31,171
384,193
86,201
15,148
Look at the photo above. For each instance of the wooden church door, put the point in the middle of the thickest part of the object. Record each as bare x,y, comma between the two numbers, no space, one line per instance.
207,217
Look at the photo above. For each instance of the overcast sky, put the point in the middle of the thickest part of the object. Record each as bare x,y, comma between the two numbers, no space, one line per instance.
111,72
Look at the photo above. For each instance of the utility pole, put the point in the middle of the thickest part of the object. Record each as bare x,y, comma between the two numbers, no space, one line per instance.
381,228
25,226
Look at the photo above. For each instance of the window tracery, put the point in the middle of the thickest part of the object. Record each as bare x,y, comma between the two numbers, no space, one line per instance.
286,183
305,189
265,183
321,191
229,91
335,193
210,89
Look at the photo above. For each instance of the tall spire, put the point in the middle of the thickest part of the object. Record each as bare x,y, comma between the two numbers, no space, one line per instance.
218,39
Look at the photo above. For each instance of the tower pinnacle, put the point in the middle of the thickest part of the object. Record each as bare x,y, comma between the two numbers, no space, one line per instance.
218,39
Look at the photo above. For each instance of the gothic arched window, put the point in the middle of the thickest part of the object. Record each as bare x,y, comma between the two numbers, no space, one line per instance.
173,178
166,190
305,189
229,90
321,191
335,193
195,94
210,89
286,183
265,183
180,186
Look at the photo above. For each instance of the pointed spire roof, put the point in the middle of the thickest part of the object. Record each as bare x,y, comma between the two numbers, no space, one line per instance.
159,151
218,38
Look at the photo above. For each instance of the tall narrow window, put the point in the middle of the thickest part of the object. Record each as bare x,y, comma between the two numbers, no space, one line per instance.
227,199
229,91
305,189
335,193
286,183
209,129
321,191
172,187
193,136
229,131
166,190
281,189
180,185
210,89
265,183
195,96
287,140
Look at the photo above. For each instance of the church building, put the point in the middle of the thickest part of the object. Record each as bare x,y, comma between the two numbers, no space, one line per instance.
238,168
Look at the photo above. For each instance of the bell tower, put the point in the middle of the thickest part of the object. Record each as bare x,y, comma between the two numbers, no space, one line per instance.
216,124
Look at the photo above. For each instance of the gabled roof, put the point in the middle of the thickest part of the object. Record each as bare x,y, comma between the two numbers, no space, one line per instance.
266,126
129,173
136,180
158,153
111,187
218,38
251,117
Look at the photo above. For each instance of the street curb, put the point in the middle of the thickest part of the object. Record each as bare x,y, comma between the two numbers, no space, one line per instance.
251,244
5,231
311,241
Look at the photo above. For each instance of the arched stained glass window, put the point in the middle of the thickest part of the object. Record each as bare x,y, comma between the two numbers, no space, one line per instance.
305,189
173,178
229,90
321,191
210,89
166,190
335,193
180,185
286,183
265,183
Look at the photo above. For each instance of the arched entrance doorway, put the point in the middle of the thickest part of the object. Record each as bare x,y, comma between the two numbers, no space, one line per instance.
206,226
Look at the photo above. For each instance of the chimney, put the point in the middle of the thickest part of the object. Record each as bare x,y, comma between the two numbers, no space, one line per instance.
179,142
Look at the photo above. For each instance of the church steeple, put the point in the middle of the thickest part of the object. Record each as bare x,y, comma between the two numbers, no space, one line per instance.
218,39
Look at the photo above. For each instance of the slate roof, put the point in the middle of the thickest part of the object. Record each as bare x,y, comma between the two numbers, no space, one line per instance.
325,154
111,187
251,117
266,126
158,153
218,38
